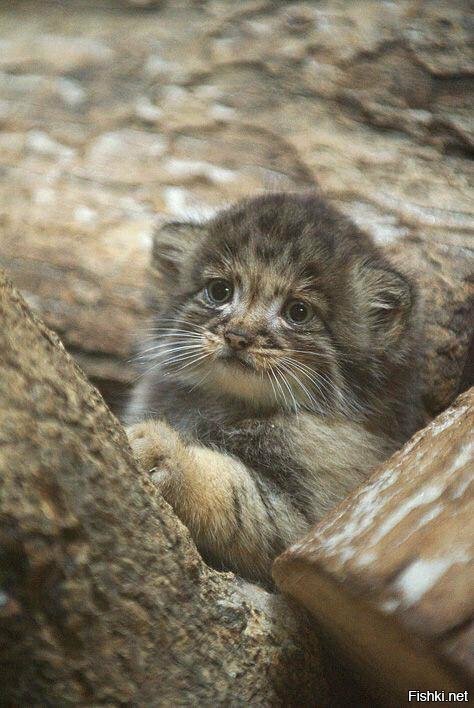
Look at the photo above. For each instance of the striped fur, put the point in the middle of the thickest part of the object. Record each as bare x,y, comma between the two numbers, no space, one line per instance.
253,444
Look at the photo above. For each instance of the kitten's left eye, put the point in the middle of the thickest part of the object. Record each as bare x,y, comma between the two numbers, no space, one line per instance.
220,291
298,312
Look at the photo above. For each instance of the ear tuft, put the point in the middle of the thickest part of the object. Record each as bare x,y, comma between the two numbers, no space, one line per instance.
173,244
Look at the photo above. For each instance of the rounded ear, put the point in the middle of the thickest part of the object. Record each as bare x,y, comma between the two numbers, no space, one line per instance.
173,244
388,299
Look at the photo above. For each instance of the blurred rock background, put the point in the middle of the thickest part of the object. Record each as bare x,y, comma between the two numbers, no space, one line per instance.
114,115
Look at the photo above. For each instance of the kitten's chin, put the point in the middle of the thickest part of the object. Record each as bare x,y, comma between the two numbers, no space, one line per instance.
238,379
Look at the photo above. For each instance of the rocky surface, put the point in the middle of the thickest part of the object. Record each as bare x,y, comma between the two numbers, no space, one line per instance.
116,114
104,599
389,573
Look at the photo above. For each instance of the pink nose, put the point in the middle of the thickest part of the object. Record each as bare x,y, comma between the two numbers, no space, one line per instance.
237,338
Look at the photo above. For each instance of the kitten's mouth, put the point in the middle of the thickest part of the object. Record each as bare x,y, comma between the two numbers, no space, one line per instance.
235,359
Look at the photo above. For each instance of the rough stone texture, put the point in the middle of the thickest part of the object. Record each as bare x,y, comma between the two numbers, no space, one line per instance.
116,113
389,573
103,597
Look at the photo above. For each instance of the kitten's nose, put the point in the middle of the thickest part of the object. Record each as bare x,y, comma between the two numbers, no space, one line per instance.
237,338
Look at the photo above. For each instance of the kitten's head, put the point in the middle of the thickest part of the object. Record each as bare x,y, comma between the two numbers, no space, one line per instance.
279,301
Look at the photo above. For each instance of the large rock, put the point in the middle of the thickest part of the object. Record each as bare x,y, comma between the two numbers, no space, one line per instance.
104,598
389,573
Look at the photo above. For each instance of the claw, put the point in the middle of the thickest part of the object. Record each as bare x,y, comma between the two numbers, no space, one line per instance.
159,475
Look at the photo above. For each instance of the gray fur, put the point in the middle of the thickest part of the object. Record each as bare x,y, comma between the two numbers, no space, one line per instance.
357,359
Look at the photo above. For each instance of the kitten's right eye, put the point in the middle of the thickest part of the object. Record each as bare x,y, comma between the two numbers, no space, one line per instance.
220,291
298,312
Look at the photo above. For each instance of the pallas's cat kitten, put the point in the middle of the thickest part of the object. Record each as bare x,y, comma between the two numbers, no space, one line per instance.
281,369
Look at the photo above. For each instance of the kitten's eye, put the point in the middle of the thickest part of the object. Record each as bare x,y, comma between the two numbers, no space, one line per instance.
298,312
220,291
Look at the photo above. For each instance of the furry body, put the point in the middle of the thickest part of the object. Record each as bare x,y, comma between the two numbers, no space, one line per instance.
281,369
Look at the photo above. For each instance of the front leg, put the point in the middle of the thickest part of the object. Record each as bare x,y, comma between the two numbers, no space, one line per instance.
159,450
236,519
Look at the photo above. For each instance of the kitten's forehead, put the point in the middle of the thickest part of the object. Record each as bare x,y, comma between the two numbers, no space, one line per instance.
279,230
259,268
282,241
264,269
263,282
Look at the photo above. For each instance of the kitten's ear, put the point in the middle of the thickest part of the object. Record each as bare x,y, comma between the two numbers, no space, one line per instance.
173,243
389,298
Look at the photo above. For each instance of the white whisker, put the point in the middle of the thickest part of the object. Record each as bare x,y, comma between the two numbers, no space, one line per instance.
288,387
312,400
164,362
272,385
163,332
147,353
327,357
179,320
310,374
194,361
177,357
201,381
158,355
278,378
279,386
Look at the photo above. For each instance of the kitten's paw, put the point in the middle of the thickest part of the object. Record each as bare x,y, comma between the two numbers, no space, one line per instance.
157,449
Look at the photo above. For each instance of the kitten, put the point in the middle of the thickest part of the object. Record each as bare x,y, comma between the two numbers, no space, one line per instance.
282,368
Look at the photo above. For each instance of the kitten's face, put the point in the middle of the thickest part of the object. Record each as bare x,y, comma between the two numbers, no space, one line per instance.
261,332
263,303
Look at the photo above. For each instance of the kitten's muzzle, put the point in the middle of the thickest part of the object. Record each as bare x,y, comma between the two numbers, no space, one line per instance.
238,339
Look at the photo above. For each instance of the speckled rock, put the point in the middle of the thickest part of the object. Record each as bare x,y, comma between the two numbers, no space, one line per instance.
103,596
389,572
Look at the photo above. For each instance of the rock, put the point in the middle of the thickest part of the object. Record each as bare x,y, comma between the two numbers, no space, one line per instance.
124,156
389,573
54,53
103,597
